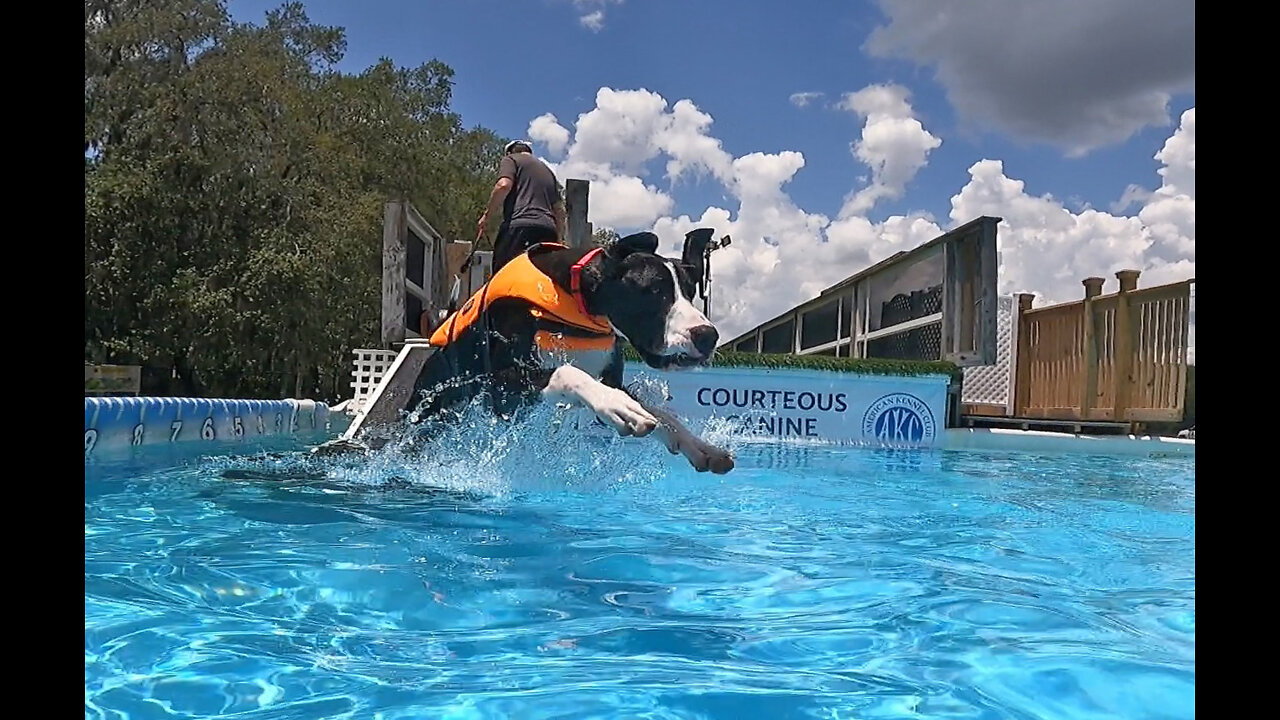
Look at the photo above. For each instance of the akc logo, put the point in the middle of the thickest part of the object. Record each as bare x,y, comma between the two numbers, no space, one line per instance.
899,419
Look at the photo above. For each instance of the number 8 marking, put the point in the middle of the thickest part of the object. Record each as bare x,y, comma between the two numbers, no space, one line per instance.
90,440
138,431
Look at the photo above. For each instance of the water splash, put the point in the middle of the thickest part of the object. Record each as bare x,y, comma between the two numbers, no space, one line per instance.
546,448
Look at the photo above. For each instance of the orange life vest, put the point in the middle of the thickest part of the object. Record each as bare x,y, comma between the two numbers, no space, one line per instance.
552,306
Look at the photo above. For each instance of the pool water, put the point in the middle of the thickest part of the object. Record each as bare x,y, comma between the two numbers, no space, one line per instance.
533,574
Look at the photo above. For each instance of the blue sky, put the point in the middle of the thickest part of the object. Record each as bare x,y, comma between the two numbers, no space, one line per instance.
1074,100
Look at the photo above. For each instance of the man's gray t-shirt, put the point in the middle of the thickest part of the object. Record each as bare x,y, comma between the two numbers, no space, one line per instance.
533,194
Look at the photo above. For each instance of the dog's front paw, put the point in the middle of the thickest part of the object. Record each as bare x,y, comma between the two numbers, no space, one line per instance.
703,457
720,461
626,415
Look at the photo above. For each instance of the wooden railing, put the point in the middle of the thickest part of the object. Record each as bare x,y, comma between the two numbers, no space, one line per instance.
1119,357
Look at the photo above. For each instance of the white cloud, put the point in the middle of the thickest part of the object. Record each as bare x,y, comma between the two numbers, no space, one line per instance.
894,144
1080,75
1133,194
782,254
802,99
620,130
683,136
1179,157
613,143
1047,249
593,20
548,131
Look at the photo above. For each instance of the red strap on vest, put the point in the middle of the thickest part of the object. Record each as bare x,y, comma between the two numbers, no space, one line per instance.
575,279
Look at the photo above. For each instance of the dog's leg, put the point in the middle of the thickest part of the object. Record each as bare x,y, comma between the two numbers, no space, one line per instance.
611,405
701,455
679,440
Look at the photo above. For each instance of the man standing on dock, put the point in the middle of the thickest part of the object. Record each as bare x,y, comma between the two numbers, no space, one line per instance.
532,208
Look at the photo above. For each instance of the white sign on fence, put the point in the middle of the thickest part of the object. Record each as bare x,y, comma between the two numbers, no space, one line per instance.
901,411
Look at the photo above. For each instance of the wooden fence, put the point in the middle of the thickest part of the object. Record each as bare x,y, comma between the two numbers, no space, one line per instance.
1120,357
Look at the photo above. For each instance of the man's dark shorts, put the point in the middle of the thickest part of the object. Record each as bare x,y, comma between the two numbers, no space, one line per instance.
513,241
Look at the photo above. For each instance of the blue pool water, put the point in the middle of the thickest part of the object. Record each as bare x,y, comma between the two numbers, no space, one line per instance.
533,574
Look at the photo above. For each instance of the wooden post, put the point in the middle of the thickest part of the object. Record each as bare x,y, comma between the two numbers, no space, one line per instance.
1089,391
1124,343
839,323
859,321
575,204
394,230
1022,356
988,269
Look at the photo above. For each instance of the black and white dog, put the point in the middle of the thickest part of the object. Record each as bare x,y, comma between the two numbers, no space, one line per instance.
522,345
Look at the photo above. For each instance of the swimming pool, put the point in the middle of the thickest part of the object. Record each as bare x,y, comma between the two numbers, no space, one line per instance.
530,573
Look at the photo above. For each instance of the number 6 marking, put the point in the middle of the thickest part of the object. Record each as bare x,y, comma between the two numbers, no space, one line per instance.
206,430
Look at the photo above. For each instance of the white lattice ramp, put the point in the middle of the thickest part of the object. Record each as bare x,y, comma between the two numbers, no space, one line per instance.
369,367
989,384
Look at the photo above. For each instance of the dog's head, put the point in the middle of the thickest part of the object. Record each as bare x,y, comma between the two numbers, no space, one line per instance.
647,298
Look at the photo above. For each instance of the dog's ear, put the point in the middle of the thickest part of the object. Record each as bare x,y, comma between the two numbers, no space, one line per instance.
693,256
645,242
695,243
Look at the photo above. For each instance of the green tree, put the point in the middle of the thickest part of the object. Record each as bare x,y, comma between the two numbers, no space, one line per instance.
234,185
603,235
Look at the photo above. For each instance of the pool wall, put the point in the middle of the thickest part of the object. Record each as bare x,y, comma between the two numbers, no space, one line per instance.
114,425
1039,441
842,407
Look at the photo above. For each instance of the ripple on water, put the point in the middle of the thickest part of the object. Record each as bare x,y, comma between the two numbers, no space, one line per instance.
520,572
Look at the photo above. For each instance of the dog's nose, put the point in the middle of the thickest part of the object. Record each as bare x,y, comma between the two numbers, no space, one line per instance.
704,339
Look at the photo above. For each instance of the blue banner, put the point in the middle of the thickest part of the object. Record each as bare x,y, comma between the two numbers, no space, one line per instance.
888,410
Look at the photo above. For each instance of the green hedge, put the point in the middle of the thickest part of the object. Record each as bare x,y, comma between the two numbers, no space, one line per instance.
864,366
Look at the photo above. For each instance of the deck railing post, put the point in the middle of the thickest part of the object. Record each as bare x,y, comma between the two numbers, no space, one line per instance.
394,230
1022,356
575,200
1089,389
1124,343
